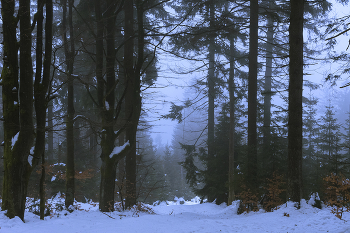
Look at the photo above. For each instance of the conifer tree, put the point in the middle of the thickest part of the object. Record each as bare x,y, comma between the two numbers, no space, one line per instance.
311,163
330,144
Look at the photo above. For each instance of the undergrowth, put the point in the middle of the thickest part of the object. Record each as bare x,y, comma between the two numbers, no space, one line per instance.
337,194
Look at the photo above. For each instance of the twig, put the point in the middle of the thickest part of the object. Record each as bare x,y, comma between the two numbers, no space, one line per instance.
107,215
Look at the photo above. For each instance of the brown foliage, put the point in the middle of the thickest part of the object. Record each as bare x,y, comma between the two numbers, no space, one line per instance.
249,200
56,171
273,193
337,191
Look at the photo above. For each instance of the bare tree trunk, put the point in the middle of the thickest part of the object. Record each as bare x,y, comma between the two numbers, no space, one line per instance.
268,159
109,110
295,101
41,91
130,160
70,53
40,108
10,88
267,86
133,98
16,153
231,193
108,168
50,131
211,91
252,95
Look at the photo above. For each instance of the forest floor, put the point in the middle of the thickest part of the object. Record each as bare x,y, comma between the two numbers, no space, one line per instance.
174,217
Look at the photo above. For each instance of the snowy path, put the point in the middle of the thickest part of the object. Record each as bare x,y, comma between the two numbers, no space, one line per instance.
183,218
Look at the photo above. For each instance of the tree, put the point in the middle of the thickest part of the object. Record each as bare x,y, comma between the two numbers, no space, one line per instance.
69,51
150,173
41,89
109,110
268,75
311,163
330,144
231,86
132,102
295,123
252,95
18,115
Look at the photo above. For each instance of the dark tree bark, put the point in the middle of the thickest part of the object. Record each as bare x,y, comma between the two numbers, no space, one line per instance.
231,86
16,166
267,85
109,110
108,168
10,87
133,98
295,122
252,95
41,91
40,106
50,131
130,160
211,90
69,53
21,149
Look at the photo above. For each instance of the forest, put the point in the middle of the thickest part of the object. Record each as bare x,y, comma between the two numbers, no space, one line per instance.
256,92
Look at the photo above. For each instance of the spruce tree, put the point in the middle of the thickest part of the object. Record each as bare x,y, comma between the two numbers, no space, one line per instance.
330,144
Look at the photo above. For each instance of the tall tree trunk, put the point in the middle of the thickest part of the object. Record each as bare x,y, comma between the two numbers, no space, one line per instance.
108,167
231,86
70,53
211,90
50,131
10,87
130,160
268,93
21,149
40,108
133,98
295,101
41,85
267,85
103,205
121,138
16,153
252,95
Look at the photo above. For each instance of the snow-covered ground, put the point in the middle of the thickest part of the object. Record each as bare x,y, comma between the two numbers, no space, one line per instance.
174,217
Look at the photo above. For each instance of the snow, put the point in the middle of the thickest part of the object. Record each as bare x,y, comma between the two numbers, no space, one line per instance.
107,105
32,150
59,164
30,159
14,140
173,217
119,149
78,116
313,198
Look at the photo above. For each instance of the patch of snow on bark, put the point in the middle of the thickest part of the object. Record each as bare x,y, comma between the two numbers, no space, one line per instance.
119,149
14,140
30,159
